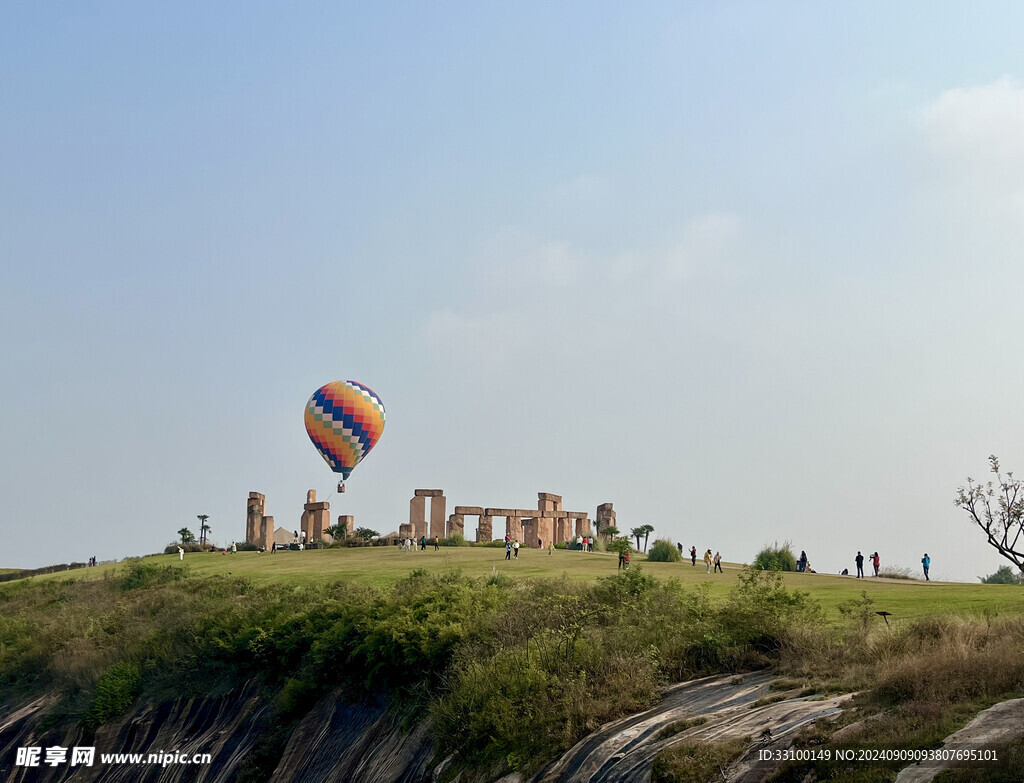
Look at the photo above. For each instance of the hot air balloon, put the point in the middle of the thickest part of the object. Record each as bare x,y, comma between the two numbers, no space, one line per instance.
344,420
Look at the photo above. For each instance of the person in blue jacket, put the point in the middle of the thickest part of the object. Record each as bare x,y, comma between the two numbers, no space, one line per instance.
926,563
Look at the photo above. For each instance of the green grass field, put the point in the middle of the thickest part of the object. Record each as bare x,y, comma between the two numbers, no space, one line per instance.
905,599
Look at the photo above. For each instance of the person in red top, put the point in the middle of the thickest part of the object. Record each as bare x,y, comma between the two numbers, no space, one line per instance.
876,561
693,555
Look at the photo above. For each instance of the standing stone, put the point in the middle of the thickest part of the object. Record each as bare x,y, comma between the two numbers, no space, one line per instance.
255,507
456,525
418,514
266,534
582,526
317,518
545,532
348,524
484,530
405,530
529,531
514,528
438,515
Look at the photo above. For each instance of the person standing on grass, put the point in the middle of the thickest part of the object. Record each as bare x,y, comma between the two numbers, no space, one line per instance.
622,557
625,560
181,554
876,561
860,565
515,549
693,555
926,563
707,560
551,547
437,543
679,544
508,549
718,562
801,564
423,543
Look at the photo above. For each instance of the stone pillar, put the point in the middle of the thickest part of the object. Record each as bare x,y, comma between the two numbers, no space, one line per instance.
549,502
514,528
456,525
605,517
529,531
545,532
418,514
266,534
438,514
563,530
582,526
348,524
317,518
484,530
255,506
405,530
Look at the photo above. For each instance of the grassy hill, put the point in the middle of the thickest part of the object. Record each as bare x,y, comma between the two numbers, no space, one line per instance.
472,642
381,566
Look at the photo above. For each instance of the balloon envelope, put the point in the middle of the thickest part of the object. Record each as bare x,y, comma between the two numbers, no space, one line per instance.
344,420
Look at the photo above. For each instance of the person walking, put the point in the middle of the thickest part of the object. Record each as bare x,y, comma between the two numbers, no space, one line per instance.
622,558
876,562
437,542
707,560
926,563
693,555
508,549
718,562
181,554
234,548
551,548
860,564
625,560
515,549
423,543
680,545
801,564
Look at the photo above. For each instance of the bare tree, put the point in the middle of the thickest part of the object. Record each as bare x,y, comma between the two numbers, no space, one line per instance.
998,509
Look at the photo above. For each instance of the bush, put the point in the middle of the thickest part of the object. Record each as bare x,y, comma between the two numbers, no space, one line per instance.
776,558
456,539
115,692
191,546
664,551
1004,575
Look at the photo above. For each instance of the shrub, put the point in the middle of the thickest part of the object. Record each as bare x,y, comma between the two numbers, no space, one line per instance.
1004,575
776,558
664,551
115,692
456,539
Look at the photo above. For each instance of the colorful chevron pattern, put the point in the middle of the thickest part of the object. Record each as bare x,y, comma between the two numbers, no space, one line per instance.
344,420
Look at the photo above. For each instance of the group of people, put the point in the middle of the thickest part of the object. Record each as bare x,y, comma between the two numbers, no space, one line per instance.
875,560
876,563
410,544
709,559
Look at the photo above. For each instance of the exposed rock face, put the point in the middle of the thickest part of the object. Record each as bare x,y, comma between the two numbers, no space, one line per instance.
625,749
998,725
339,742
227,728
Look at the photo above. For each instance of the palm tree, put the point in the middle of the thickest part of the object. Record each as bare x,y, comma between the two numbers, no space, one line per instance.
648,529
187,536
638,533
203,527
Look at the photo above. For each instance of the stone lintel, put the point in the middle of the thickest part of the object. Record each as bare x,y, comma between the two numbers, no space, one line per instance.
321,506
257,496
470,510
511,512
428,493
549,496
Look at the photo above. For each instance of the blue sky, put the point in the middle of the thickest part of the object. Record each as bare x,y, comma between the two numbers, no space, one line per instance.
749,271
